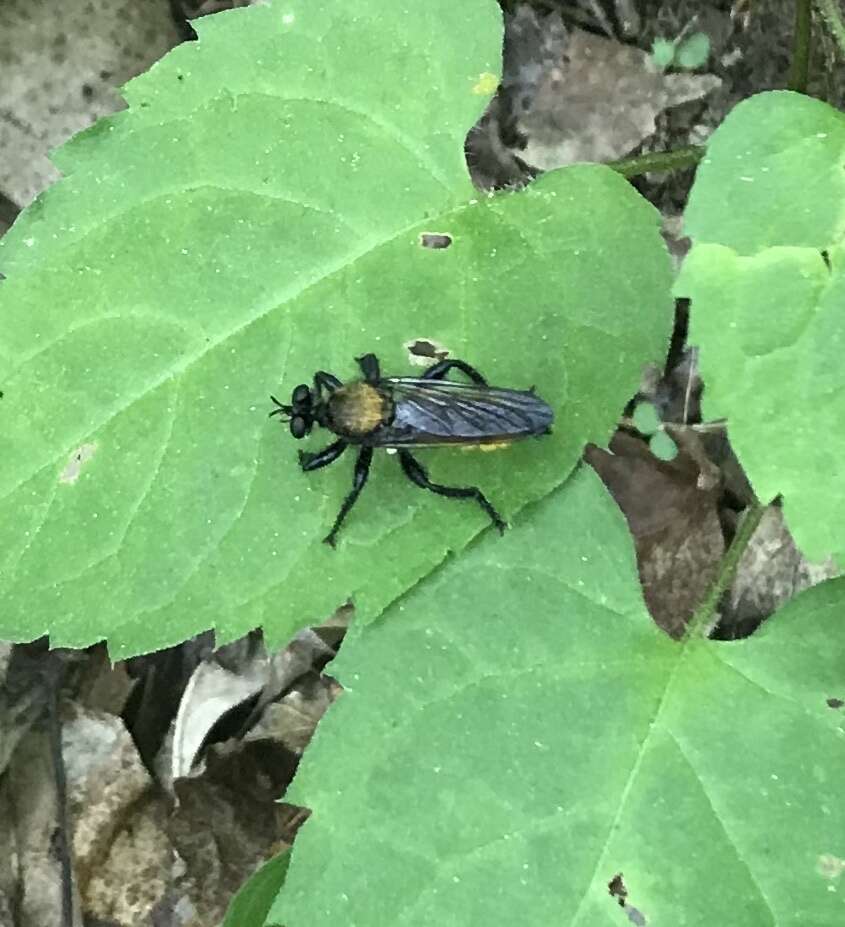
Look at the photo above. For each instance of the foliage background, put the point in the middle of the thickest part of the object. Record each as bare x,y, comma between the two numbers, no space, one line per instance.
177,268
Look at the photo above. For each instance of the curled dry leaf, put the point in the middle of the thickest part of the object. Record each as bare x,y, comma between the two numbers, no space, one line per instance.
211,692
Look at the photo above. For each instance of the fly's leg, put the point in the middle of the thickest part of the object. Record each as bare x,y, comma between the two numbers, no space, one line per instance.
362,471
325,381
439,370
323,458
416,473
369,367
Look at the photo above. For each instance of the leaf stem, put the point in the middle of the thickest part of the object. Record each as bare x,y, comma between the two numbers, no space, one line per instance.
698,624
833,17
659,161
717,426
800,68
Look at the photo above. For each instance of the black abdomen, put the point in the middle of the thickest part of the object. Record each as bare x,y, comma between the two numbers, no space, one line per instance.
432,412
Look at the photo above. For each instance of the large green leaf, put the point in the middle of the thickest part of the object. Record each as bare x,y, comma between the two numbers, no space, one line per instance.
768,307
772,176
541,736
254,216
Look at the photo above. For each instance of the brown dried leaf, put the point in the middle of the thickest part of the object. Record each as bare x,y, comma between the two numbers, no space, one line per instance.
771,571
599,102
675,525
61,64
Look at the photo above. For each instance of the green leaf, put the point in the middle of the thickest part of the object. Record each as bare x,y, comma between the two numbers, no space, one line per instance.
251,904
767,304
542,736
663,447
645,418
662,53
693,52
254,216
773,175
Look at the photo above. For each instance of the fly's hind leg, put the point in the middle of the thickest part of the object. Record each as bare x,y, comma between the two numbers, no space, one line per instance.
369,367
362,471
416,473
439,370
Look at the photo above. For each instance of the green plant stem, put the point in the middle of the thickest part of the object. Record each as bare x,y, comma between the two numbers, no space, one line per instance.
800,68
703,615
659,161
833,17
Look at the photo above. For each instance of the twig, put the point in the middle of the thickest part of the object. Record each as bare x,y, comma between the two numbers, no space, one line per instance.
716,426
601,18
833,18
659,161
61,836
690,374
699,623
800,67
689,441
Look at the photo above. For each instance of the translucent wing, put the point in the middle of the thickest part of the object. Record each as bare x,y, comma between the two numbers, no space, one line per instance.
431,412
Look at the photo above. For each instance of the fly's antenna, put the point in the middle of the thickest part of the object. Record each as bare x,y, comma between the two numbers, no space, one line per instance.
284,412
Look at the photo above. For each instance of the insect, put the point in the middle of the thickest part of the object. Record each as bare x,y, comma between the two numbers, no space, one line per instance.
407,412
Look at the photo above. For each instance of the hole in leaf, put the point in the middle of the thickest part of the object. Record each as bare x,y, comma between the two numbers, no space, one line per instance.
78,459
826,259
617,889
835,703
435,240
830,866
423,351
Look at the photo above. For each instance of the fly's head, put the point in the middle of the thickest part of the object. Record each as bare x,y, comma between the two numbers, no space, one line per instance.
302,411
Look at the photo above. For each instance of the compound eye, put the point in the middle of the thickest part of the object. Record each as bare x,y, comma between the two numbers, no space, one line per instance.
300,395
298,427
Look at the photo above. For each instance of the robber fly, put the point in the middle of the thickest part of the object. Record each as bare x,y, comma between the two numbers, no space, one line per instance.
407,412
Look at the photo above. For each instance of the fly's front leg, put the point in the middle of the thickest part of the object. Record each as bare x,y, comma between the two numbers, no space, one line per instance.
362,471
440,369
325,381
416,473
369,367
322,458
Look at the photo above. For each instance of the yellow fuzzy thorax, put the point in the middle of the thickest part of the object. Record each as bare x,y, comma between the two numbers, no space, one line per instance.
358,408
